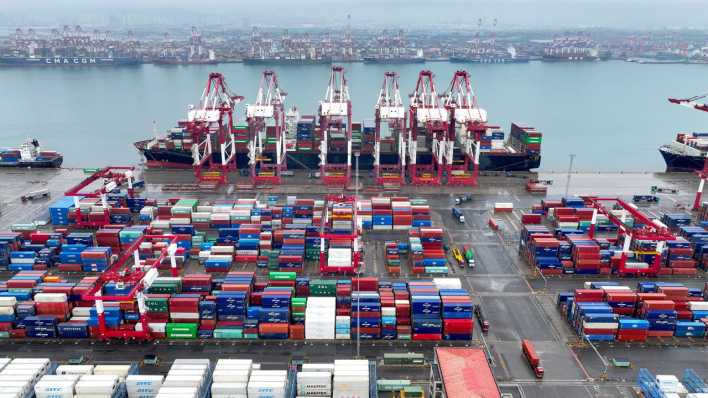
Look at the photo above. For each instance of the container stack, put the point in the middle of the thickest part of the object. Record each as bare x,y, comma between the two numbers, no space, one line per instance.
95,259
314,383
267,383
60,209
56,386
366,315
586,255
188,378
402,303
230,378
19,376
427,254
351,378
457,309
22,260
320,318
426,309
52,304
393,257
274,313
388,312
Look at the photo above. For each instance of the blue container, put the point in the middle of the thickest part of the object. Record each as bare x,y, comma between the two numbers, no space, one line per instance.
73,330
690,329
628,323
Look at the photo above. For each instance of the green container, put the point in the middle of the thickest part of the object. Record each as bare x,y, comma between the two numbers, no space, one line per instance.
323,287
181,330
228,333
157,304
436,270
298,301
414,392
282,276
91,170
392,385
4,335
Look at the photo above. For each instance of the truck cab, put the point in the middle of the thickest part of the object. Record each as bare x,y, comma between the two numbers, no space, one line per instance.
469,255
457,214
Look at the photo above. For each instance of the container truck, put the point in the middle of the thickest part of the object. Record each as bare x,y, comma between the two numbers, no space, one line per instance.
457,214
469,255
532,358
483,322
462,199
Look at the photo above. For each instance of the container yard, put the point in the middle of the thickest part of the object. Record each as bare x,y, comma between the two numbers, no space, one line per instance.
296,276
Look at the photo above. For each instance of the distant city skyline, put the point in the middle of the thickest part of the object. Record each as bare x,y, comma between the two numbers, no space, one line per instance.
411,14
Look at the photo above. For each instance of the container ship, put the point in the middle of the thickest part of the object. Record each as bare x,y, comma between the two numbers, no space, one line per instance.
67,61
377,59
490,55
571,49
520,152
29,154
303,138
686,153
286,60
70,47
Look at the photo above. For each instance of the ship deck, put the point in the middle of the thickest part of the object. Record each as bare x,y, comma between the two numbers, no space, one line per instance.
502,282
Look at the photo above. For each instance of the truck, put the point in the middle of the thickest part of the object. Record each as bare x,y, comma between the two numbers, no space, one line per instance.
40,193
469,255
483,322
532,358
457,214
457,254
462,199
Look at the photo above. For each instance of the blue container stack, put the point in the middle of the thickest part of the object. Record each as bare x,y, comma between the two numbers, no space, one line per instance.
73,330
41,326
368,307
112,315
573,201
676,220
59,210
230,306
71,254
426,309
135,204
690,329
91,262
80,238
22,260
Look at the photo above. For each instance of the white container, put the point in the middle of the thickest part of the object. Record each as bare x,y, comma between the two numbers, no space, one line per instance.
318,367
226,376
56,386
9,301
74,370
229,390
266,389
317,384
143,386
118,370
50,297
447,283
698,305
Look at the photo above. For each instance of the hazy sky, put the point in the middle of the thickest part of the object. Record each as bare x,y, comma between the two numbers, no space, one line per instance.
399,13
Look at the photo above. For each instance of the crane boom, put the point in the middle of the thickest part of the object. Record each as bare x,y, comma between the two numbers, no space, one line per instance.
691,102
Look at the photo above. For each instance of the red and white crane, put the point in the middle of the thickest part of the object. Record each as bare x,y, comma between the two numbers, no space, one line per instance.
102,181
335,114
211,125
266,122
692,102
468,122
141,274
428,118
648,229
390,127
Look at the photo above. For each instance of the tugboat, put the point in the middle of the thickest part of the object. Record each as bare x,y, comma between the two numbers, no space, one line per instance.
29,154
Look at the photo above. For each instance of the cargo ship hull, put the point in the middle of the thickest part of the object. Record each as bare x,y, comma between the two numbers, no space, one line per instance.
285,61
393,61
40,164
489,60
180,159
676,162
67,61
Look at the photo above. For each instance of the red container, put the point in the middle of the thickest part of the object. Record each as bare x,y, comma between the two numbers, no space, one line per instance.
589,295
453,326
427,336
658,305
270,328
530,218
297,332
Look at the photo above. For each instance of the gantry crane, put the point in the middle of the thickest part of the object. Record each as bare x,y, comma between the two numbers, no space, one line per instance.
429,119
692,102
643,228
266,123
390,131
141,275
211,125
468,122
335,114
106,180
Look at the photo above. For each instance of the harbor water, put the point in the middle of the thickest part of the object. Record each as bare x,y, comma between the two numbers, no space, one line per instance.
613,115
